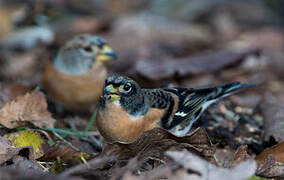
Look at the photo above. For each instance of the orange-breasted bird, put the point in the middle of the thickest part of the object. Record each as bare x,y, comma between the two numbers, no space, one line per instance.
126,110
75,77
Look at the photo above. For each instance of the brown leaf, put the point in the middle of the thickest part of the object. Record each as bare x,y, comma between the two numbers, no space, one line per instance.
99,168
31,107
277,151
271,161
273,111
201,169
7,151
67,154
203,63
240,155
157,141
224,157
271,168
228,158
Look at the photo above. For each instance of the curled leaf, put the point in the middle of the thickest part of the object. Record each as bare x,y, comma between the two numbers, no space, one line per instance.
31,107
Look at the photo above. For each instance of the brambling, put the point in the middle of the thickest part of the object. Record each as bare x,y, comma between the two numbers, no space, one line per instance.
126,110
76,75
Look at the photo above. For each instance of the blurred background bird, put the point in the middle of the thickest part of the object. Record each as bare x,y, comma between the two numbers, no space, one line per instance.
127,110
75,77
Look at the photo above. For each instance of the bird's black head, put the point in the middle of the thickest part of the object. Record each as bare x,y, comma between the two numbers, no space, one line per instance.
127,93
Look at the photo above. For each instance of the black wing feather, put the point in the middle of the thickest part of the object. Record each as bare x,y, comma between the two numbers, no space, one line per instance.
192,101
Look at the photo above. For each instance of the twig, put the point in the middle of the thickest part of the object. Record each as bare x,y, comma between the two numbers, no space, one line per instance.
93,164
66,142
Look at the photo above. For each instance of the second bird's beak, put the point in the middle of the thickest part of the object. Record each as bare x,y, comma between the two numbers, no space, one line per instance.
111,93
106,54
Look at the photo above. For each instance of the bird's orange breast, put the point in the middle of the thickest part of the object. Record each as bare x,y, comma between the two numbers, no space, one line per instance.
115,125
74,91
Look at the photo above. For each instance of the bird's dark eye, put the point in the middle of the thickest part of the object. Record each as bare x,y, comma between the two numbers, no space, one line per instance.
88,49
127,87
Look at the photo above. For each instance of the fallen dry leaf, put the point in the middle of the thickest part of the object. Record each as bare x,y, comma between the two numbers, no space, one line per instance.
7,151
201,169
271,168
157,141
271,161
241,155
203,63
100,168
228,158
224,157
29,138
31,107
67,154
145,154
273,111
277,151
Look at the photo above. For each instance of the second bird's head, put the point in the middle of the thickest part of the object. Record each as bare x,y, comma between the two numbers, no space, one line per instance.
80,54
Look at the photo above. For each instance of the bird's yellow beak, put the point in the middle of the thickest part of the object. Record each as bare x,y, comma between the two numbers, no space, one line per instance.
111,93
106,54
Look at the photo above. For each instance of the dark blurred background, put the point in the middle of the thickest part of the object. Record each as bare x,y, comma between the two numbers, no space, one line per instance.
188,43
184,42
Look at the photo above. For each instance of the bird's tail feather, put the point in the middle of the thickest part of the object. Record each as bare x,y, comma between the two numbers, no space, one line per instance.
227,89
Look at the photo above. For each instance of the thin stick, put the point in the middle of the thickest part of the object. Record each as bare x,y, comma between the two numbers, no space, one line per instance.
66,142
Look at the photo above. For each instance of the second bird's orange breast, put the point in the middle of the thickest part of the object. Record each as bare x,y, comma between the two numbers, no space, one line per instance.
73,91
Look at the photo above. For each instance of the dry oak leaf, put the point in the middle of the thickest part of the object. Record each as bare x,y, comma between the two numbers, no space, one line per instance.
31,107
7,151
